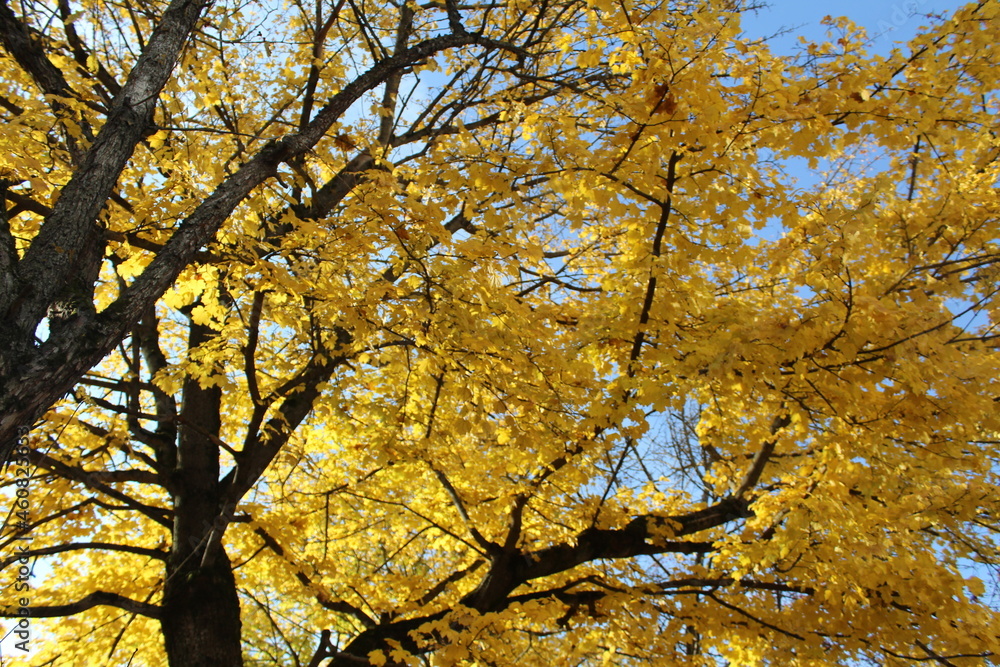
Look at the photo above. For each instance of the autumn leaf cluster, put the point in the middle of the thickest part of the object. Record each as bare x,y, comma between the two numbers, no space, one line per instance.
515,340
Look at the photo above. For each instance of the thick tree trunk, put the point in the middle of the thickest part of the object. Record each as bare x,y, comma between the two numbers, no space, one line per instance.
201,614
201,609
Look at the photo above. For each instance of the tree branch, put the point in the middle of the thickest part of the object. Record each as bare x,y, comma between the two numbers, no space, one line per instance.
94,481
17,40
47,266
763,456
74,546
99,598
63,358
321,595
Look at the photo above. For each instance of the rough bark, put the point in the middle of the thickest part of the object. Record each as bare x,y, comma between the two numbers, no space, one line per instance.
70,242
56,275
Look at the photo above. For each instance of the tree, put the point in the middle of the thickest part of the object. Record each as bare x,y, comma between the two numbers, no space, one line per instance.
524,346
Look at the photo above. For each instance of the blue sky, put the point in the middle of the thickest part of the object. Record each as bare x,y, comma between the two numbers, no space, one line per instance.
887,21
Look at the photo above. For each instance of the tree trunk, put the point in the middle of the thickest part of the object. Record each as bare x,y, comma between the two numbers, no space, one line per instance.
201,614
201,609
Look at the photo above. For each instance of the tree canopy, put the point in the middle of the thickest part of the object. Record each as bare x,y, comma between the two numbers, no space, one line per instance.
502,333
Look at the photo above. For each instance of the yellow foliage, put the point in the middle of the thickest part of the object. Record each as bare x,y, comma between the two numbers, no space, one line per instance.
538,353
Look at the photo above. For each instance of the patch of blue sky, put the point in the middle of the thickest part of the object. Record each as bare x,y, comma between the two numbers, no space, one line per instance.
886,23
785,24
